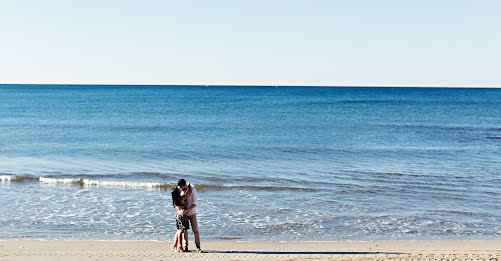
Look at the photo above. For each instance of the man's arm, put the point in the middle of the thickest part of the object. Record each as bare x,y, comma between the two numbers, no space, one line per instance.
194,198
190,208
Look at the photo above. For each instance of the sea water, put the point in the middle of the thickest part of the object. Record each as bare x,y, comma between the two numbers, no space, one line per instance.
269,163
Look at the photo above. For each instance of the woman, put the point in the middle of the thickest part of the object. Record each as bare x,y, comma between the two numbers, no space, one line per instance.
182,223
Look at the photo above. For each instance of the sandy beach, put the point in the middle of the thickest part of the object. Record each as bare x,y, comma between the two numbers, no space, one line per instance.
222,250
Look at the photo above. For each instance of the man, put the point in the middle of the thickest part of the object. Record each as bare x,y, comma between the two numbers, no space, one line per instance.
192,215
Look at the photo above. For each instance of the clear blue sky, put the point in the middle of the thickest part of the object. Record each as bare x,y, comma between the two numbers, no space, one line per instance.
270,42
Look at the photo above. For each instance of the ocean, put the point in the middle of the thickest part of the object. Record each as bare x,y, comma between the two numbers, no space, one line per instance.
269,163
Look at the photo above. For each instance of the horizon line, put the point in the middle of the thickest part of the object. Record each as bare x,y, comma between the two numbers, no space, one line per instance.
256,85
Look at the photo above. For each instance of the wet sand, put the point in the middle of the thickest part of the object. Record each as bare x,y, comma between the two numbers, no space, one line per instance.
230,250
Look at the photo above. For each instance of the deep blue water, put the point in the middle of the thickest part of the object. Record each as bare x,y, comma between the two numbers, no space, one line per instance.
277,164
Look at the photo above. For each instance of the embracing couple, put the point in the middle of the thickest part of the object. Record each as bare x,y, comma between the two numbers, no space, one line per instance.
184,199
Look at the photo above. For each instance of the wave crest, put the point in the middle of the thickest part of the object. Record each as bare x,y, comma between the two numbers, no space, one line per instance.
85,182
107,183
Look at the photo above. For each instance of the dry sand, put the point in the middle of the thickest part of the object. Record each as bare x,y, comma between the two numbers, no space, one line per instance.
230,250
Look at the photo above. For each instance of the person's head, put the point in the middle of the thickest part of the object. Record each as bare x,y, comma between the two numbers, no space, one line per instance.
182,184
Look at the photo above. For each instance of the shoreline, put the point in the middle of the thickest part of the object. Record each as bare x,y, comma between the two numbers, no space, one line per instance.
215,241
232,250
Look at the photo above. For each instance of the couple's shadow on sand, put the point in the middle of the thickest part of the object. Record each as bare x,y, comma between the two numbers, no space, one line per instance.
303,253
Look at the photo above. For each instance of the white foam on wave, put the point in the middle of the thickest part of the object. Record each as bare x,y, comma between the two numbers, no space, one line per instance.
105,183
127,184
59,181
5,178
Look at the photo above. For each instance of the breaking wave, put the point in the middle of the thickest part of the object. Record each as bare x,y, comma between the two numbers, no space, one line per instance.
106,183
86,182
13,178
